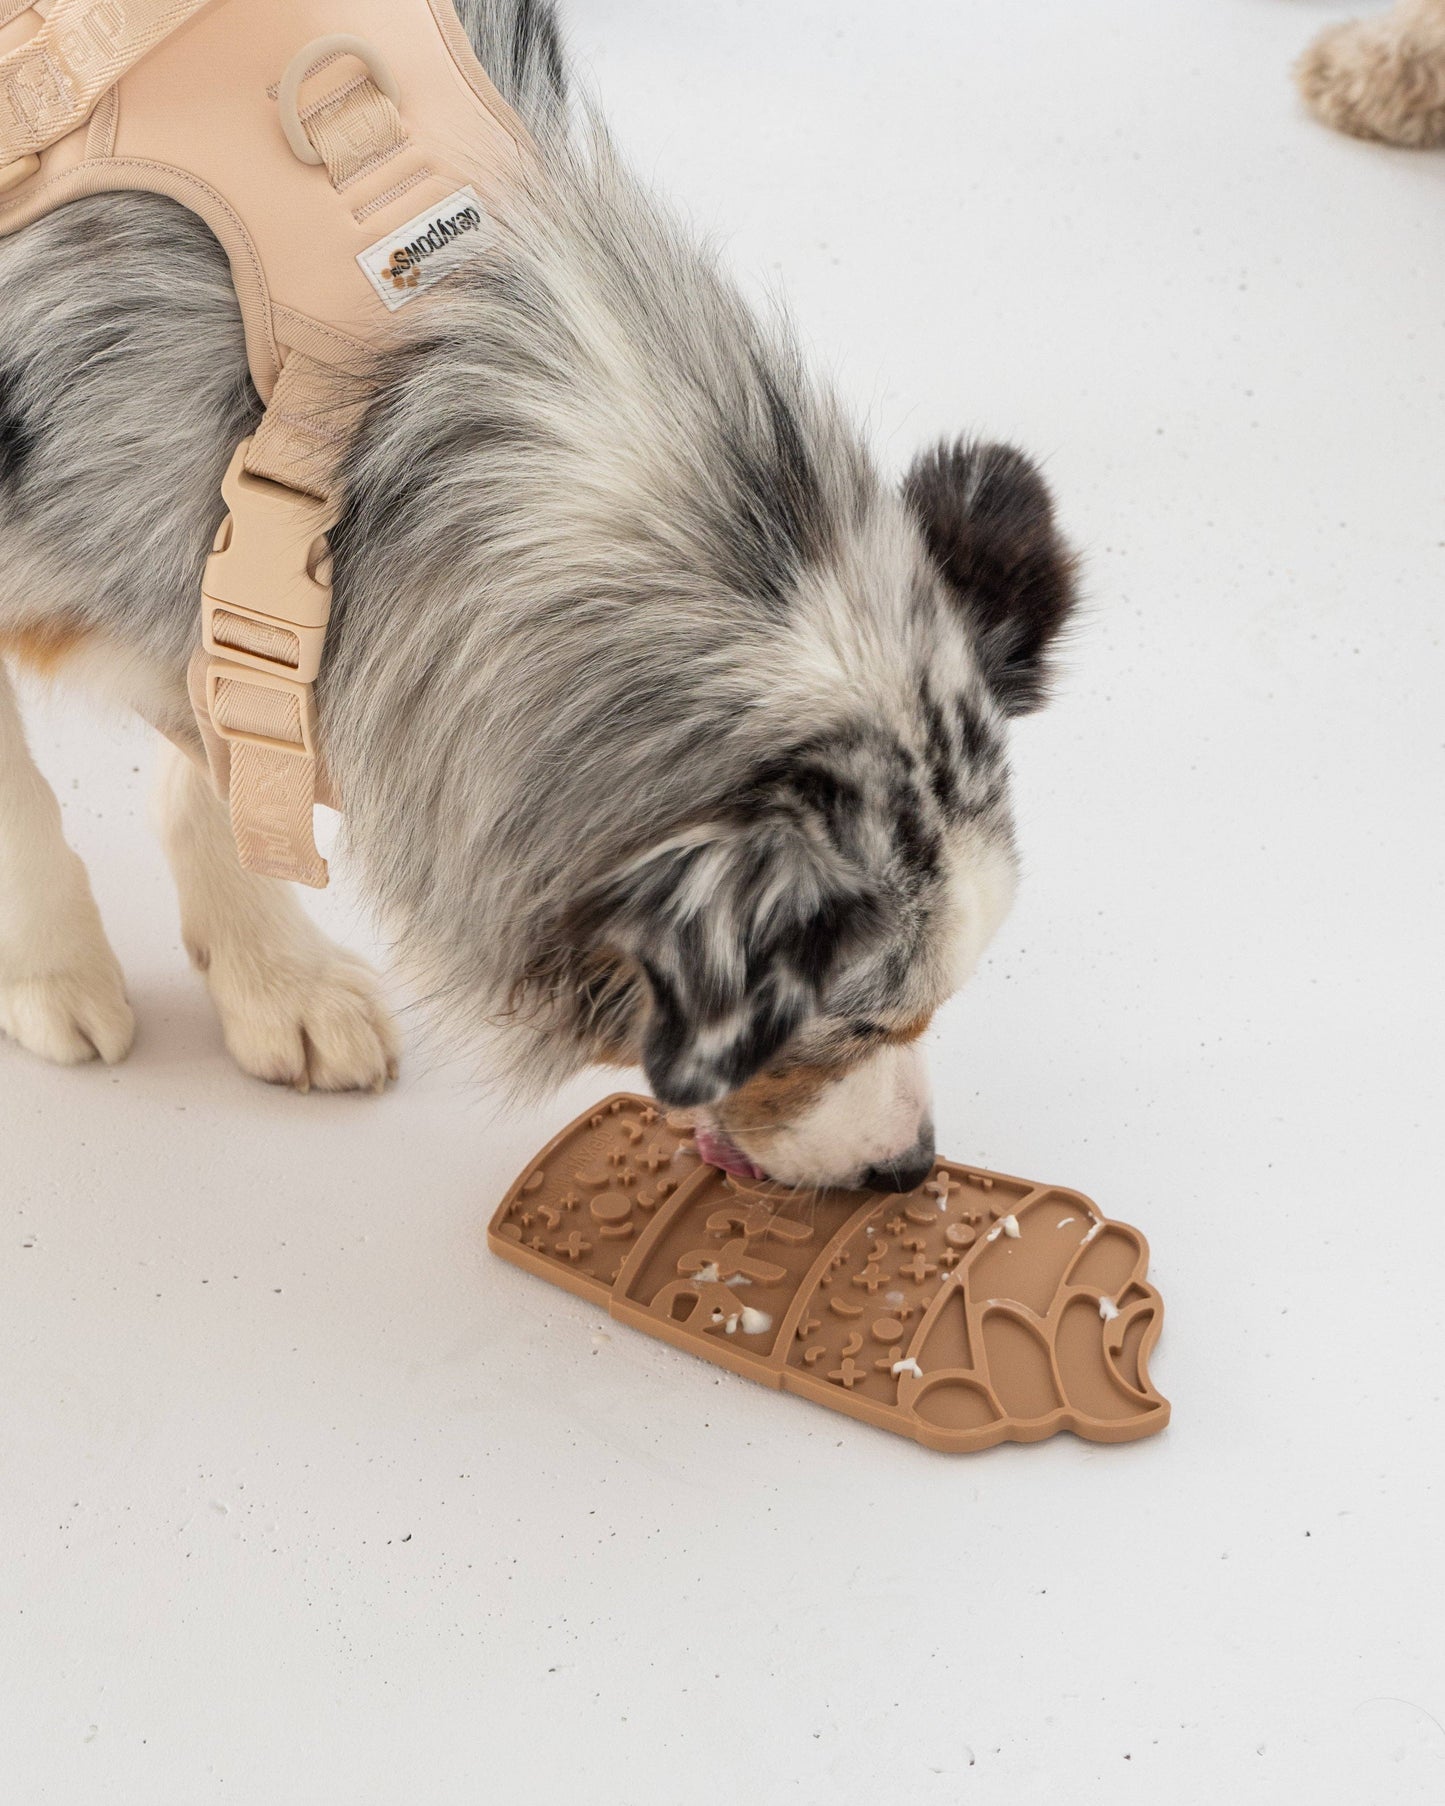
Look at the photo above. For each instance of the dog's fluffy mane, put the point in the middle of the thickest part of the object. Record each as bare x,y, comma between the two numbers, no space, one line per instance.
658,713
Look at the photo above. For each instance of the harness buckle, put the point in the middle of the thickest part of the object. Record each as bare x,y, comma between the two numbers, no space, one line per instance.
266,593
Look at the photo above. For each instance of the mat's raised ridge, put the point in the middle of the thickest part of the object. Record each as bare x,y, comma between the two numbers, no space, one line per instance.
977,1309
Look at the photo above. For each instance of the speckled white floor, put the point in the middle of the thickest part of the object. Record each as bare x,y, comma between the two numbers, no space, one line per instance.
306,1501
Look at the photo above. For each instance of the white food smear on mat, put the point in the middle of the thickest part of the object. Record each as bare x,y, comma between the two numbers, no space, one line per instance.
1108,1310
908,1366
754,1323
709,1276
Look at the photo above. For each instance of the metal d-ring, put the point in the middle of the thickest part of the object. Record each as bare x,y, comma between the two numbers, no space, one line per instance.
301,65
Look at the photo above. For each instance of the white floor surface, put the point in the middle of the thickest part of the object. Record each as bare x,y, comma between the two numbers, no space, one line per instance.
305,1500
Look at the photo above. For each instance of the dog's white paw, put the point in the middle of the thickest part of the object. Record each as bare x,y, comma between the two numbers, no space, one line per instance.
69,1016
1377,78
311,1018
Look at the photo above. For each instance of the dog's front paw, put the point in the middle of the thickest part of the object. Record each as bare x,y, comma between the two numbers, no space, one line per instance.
72,1015
1378,78
311,1018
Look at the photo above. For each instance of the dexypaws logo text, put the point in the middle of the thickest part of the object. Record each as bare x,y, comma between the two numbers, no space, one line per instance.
426,249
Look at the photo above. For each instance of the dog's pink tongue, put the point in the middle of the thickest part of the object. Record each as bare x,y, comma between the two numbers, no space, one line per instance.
718,1151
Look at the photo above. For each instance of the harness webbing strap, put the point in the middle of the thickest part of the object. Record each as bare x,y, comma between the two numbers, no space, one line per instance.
313,415
258,717
272,792
50,85
354,131
266,602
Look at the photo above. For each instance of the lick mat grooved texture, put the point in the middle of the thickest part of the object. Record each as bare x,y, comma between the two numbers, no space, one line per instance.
977,1309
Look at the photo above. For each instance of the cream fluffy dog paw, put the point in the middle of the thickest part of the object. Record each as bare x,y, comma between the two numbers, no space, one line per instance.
311,1018
71,1015
1381,78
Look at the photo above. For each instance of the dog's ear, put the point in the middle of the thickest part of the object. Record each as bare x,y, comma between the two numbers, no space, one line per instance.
988,520
737,929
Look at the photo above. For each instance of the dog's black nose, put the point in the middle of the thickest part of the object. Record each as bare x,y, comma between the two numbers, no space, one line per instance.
906,1173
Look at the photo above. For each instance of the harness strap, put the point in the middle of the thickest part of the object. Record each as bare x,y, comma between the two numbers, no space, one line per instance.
265,604
266,596
352,131
312,417
50,85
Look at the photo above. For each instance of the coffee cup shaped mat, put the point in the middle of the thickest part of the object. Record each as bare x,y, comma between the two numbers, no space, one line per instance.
977,1309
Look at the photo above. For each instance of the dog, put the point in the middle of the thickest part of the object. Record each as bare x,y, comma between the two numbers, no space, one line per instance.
670,731
1382,78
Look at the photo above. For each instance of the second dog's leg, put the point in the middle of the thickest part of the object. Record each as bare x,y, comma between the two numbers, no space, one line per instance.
1383,77
61,991
295,1009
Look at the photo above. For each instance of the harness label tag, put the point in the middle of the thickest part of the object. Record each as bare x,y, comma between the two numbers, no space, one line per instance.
415,257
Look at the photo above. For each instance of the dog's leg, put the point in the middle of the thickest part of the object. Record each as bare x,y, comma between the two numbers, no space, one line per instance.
295,1009
1382,78
61,991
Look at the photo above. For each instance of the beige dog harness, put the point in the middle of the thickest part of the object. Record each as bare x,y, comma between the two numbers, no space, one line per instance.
348,154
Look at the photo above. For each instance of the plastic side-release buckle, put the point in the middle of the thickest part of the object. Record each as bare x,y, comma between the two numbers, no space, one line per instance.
266,592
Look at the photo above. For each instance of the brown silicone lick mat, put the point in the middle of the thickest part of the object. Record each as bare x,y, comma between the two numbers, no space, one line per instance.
977,1309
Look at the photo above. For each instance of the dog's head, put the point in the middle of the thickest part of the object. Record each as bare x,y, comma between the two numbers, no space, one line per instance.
774,964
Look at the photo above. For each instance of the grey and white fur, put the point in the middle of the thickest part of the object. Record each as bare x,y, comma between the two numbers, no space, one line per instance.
669,728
